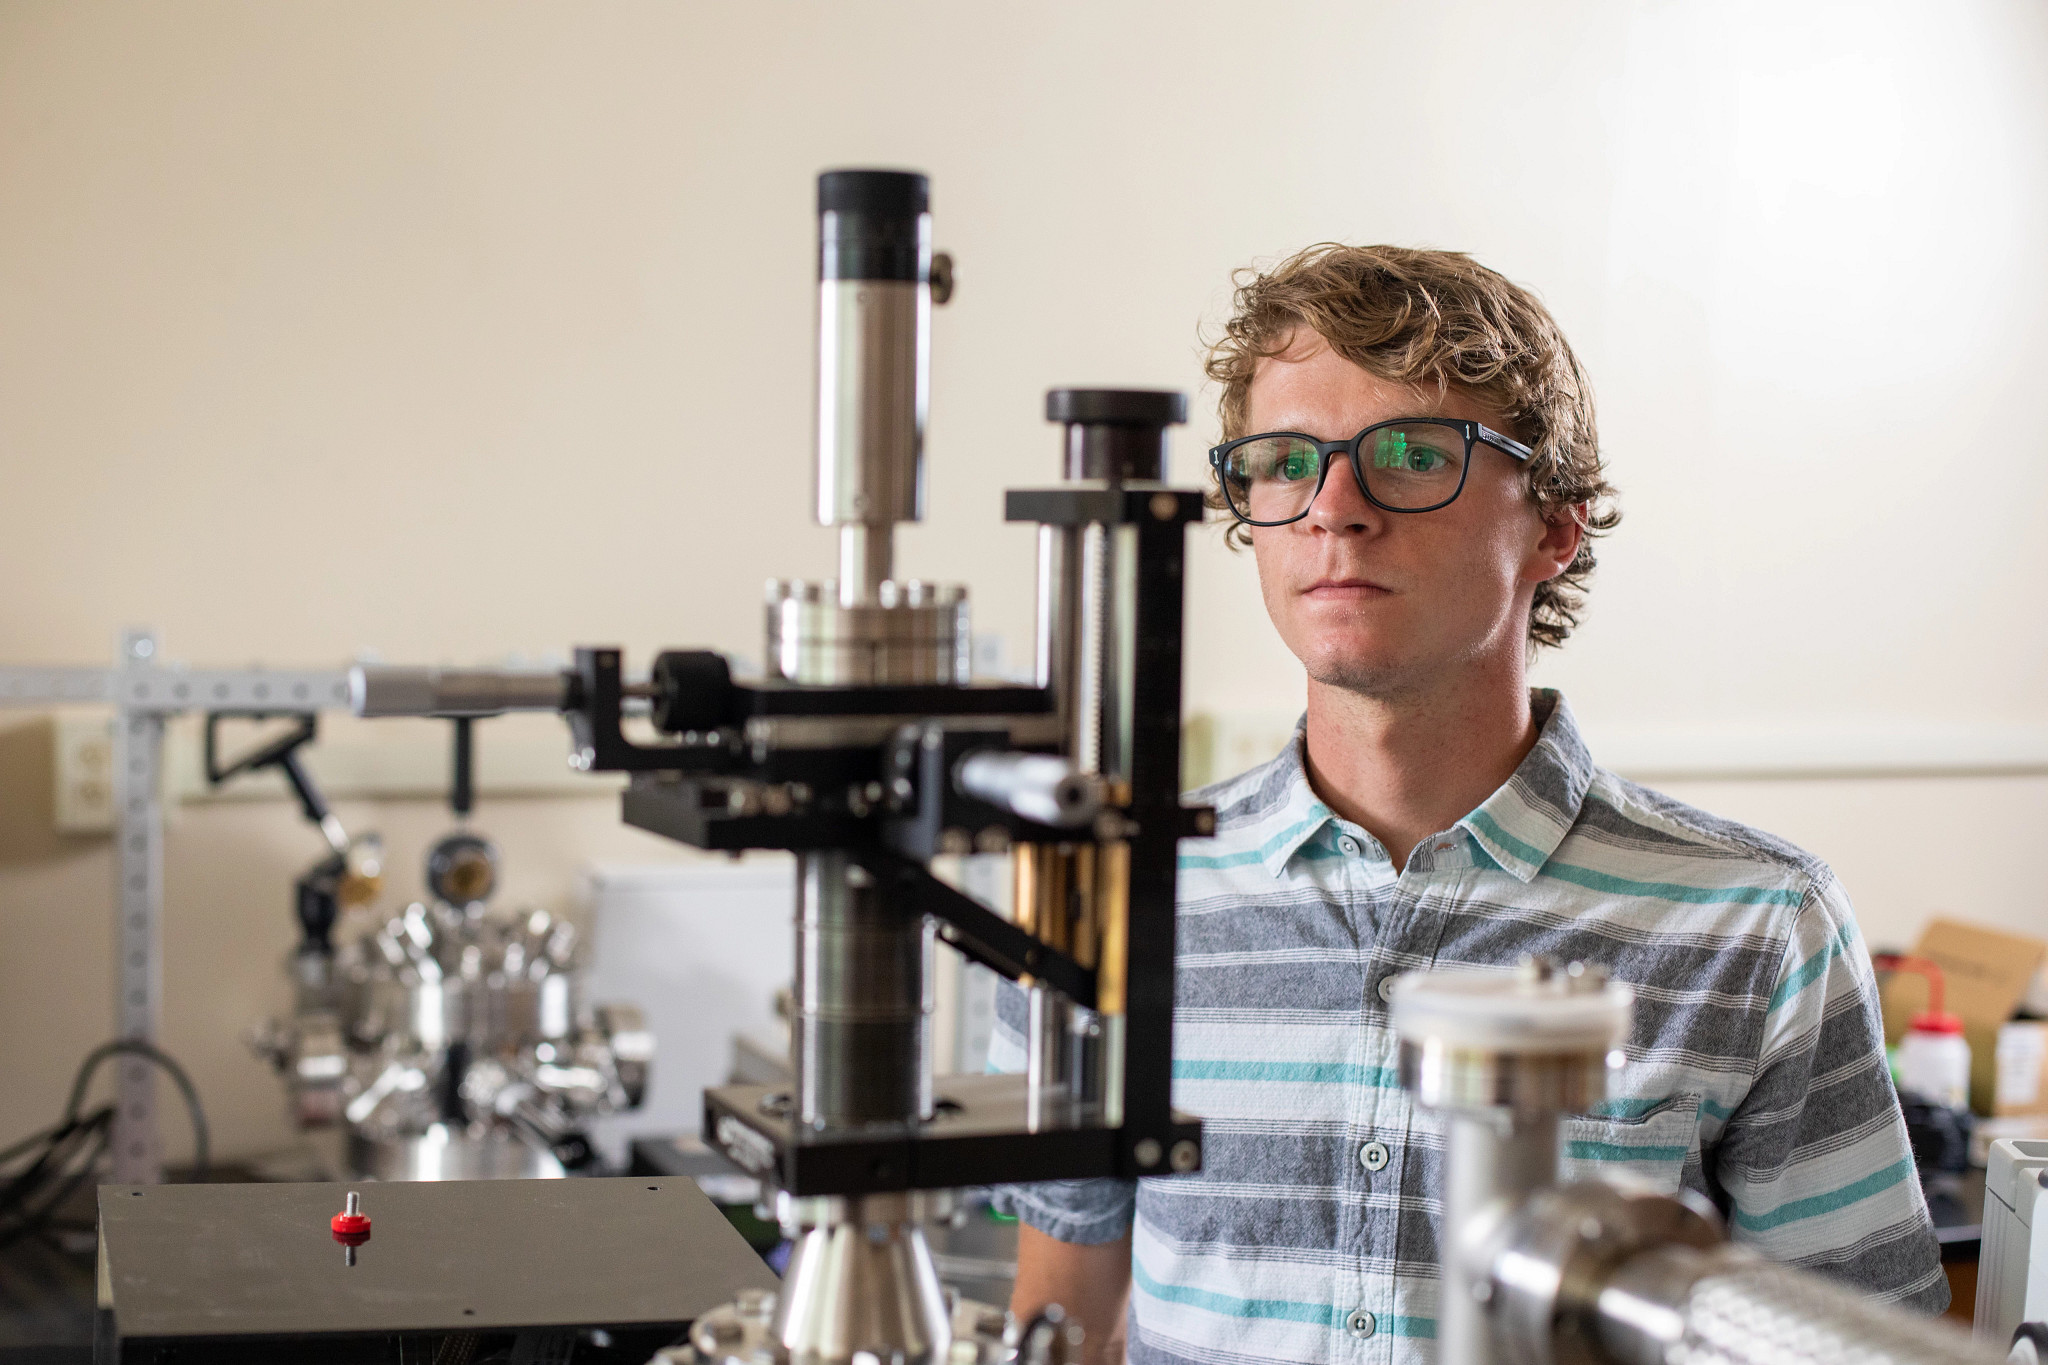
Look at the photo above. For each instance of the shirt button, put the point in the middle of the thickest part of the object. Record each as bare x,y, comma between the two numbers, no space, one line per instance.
1373,1155
1360,1324
1349,845
1386,987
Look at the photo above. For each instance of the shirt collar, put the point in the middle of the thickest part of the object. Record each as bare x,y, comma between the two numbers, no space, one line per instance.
1288,823
1519,826
1522,824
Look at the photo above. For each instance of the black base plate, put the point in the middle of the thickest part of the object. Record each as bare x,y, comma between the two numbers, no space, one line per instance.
979,1137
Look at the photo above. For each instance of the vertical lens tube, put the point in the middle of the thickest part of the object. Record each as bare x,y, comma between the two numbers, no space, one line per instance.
863,1009
874,365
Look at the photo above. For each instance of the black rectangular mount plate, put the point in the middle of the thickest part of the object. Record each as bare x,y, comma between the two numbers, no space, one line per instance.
213,1261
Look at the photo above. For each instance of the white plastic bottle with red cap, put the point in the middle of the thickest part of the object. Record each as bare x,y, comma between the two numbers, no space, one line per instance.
1933,1057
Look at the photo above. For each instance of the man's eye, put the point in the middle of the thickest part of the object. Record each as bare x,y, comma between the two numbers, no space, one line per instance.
1296,464
1423,460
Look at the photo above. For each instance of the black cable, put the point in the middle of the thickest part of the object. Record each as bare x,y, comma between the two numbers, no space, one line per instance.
67,1154
42,1135
49,1166
201,1147
19,1200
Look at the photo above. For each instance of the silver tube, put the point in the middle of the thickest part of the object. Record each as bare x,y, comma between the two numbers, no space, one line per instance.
1091,647
1048,1062
1731,1307
1491,1159
1119,650
378,690
1112,1050
1041,787
866,561
873,389
1059,617
863,1007
1064,1066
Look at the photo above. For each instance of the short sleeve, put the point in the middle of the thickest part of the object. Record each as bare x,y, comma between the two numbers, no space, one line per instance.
1814,1165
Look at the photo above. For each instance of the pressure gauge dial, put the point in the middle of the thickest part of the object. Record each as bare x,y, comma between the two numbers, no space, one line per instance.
462,869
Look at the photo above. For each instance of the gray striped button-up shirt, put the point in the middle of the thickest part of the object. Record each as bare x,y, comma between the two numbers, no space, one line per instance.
1756,1071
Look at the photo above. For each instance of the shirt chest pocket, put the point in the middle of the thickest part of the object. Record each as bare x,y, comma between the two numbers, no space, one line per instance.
1651,1145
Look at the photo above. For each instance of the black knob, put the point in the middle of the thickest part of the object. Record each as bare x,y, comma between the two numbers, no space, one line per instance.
1116,434
692,691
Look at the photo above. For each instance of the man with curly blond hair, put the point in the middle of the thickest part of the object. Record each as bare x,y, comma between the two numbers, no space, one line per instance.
1409,451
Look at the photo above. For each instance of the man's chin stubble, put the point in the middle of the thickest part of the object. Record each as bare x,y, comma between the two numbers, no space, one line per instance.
1366,680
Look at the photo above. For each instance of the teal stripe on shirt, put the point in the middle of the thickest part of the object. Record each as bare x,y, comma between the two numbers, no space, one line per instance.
1298,1073
1813,968
1316,1314
1624,886
1618,1151
1877,1182
1249,856
1671,891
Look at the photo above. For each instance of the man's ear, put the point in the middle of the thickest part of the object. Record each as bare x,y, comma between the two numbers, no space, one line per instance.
1564,530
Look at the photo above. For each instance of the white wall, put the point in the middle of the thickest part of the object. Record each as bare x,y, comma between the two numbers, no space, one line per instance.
465,328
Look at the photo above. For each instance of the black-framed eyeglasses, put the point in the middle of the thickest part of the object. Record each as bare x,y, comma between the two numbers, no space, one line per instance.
1411,464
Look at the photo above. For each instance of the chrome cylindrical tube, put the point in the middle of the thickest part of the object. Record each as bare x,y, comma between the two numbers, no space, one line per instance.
874,364
1041,787
861,1041
1729,1306
388,690
1492,1157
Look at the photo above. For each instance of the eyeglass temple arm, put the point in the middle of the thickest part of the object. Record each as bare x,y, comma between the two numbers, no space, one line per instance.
1507,445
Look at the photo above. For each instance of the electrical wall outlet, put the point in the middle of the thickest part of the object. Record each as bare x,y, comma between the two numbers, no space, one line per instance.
83,772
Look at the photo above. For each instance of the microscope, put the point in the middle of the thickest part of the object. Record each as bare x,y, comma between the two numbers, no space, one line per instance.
868,751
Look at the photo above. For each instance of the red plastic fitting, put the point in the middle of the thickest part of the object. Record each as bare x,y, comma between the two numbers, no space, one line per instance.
351,1224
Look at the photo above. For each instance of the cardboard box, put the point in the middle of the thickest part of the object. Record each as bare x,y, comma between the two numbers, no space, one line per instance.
2021,1063
1986,973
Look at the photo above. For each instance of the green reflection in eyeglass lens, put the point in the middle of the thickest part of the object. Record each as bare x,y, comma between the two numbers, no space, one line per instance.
1279,461
1395,450
1298,463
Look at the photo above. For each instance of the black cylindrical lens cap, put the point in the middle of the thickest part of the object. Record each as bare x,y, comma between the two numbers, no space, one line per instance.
869,225
1116,434
1117,407
875,194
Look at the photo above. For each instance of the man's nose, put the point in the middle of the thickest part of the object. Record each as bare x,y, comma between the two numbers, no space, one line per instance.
1340,506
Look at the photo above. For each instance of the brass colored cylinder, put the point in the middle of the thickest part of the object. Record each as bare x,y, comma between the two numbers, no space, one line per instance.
1111,906
1076,898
